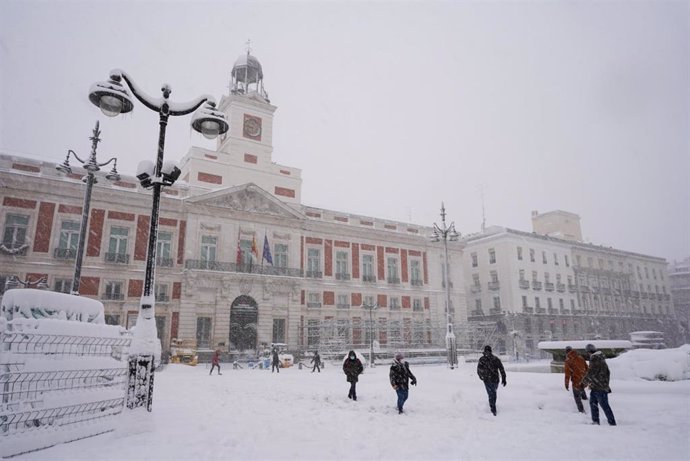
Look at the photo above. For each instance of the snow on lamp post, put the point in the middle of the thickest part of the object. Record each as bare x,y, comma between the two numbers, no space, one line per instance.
371,308
113,99
91,166
445,233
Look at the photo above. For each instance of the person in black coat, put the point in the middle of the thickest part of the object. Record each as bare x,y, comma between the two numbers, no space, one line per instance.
275,363
488,368
352,367
597,378
316,360
401,377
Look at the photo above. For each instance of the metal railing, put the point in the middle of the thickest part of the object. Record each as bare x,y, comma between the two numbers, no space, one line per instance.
65,253
117,258
221,266
165,262
342,276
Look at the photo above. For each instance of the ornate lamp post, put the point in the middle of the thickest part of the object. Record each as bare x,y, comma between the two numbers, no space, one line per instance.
445,233
91,166
113,98
371,308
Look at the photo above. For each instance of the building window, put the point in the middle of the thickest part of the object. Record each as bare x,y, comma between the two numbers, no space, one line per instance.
16,226
549,303
164,249
394,303
62,285
521,273
279,330
524,301
343,301
537,303
547,277
208,248
342,271
415,273
478,304
280,255
246,255
313,263
368,268
646,273
117,245
555,259
417,305
560,303
112,319
572,304
314,299
601,263
369,300
161,292
519,253
534,276
392,266
531,255
313,333
69,240
567,262
492,256
543,257
113,291
494,276
394,333
475,262
343,330
475,280
203,332
497,302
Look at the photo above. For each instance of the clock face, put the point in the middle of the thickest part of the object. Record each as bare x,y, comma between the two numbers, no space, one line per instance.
252,127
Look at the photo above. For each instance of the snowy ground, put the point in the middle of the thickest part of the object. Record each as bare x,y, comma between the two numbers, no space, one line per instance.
253,414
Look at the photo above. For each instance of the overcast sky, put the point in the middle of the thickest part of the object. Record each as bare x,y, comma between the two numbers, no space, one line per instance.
390,108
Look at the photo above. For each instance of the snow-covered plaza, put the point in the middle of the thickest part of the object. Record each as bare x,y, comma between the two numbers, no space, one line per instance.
258,415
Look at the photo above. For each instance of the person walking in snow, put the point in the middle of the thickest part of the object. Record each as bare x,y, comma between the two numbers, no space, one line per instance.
488,368
352,367
575,370
316,360
401,377
215,362
275,363
597,379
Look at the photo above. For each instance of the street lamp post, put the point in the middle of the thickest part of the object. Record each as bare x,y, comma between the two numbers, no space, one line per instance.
446,233
371,308
113,99
91,166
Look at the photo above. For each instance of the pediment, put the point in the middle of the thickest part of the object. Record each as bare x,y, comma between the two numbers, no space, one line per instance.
248,198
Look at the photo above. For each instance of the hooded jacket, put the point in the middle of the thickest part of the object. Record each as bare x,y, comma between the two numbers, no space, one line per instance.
400,374
489,366
352,367
597,377
575,369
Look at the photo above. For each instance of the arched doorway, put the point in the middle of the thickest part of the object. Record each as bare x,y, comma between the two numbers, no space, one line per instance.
244,316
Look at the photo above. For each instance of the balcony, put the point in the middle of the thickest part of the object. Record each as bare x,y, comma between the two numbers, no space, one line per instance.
552,310
528,310
113,296
476,288
560,287
342,276
548,286
117,258
313,274
416,282
565,311
64,253
162,298
164,262
342,306
541,310
572,288
369,278
524,284
393,280
314,305
494,286
200,264
536,285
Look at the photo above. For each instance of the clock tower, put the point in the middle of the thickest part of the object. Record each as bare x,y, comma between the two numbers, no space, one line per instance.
245,153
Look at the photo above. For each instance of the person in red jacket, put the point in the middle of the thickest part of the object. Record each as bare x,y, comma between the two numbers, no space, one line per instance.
575,370
215,362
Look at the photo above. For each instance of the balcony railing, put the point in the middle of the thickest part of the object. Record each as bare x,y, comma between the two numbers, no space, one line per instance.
494,286
572,288
560,287
117,258
313,304
113,296
343,306
369,278
394,307
536,285
162,298
540,310
476,288
313,274
416,282
164,262
548,286
528,310
200,264
553,310
565,311
342,276
393,280
524,284
65,253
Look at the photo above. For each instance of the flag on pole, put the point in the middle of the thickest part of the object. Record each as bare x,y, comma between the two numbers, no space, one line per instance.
255,251
267,251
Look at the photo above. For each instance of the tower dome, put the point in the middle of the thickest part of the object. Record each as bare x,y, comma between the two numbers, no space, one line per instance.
247,76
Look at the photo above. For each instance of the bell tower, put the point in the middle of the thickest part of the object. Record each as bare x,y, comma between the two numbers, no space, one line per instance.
245,153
